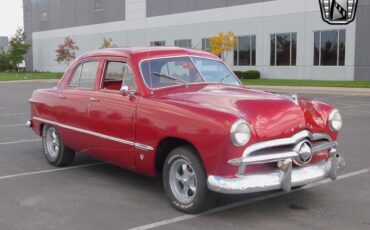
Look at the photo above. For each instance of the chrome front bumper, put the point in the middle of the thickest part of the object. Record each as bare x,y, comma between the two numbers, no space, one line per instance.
286,176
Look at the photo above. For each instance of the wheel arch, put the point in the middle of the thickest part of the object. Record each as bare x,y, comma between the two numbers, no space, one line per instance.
165,146
41,129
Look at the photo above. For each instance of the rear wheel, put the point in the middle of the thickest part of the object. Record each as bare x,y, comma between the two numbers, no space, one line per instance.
185,181
55,152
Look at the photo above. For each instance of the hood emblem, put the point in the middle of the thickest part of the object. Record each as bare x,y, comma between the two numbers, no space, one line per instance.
295,98
304,150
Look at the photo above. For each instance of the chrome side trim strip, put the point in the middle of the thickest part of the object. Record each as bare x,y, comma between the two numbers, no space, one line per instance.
115,139
143,147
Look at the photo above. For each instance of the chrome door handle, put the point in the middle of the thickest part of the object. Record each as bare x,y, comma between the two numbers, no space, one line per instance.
62,97
92,99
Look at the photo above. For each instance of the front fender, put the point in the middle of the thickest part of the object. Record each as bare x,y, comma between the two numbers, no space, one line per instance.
207,130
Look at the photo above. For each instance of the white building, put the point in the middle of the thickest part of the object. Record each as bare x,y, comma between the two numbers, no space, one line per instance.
280,38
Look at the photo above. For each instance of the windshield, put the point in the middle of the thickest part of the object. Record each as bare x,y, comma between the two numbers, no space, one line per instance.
165,72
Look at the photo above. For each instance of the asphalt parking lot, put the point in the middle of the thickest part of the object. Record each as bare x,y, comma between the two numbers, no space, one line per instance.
94,195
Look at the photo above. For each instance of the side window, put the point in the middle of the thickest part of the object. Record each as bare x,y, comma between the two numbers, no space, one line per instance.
114,75
73,82
129,80
88,75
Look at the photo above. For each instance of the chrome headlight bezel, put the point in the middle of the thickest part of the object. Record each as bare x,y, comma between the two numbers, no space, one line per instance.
238,129
335,120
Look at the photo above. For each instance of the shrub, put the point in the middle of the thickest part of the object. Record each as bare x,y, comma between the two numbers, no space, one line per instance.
250,74
5,63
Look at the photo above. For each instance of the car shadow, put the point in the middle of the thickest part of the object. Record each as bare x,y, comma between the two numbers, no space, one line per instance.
152,187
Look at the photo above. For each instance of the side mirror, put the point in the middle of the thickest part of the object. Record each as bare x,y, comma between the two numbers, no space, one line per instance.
125,91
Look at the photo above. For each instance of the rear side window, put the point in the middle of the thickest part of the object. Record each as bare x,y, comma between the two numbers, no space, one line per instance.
75,77
88,75
84,75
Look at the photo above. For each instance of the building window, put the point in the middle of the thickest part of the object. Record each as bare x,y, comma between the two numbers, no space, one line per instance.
205,44
98,5
284,49
327,52
44,15
184,43
158,43
245,51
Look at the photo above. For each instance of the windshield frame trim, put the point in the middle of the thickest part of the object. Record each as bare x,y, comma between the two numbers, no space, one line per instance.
191,59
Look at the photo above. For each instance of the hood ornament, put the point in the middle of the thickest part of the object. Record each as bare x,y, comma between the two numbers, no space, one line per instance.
295,98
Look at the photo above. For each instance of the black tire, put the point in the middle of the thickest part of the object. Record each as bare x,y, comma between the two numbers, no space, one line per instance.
61,156
202,198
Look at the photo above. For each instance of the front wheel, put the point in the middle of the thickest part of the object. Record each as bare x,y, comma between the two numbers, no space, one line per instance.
55,152
185,181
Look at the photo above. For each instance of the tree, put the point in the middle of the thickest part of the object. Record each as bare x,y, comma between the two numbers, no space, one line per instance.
18,48
66,51
222,44
107,43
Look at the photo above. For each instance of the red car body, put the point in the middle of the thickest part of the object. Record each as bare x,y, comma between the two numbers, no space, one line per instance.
136,132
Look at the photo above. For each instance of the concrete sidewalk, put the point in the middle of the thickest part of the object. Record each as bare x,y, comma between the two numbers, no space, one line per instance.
31,81
313,90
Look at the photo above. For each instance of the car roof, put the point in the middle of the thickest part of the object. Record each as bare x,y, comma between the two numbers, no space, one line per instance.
157,51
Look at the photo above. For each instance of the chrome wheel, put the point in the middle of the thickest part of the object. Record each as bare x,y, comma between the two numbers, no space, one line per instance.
52,143
183,181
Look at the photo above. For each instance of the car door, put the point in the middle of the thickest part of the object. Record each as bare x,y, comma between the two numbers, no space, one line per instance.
73,105
113,115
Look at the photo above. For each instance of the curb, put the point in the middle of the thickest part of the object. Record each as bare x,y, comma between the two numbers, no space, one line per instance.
313,90
31,81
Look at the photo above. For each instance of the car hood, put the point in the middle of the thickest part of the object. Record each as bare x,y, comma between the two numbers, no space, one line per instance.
270,115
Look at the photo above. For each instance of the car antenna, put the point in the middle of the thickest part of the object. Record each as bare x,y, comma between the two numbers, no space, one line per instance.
150,75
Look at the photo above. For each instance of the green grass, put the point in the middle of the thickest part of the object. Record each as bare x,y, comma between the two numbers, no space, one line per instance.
273,82
29,76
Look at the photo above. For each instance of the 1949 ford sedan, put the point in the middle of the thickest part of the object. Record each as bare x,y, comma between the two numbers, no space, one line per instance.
184,115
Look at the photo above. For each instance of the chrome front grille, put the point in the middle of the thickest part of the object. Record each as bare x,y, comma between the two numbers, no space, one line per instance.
281,149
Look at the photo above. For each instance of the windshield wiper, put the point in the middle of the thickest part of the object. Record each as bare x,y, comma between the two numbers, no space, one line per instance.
170,77
224,78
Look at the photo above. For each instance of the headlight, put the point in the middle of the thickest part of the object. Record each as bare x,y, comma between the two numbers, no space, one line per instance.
240,133
335,120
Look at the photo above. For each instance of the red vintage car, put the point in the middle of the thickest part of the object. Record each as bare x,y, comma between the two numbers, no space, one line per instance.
182,114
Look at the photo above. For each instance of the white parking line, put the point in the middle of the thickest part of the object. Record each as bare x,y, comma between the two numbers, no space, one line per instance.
50,170
12,125
18,142
12,114
242,203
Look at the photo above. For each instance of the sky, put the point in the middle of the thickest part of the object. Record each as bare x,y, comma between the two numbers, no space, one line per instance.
11,16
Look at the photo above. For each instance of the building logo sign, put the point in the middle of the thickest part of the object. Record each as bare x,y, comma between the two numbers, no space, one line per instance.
338,12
